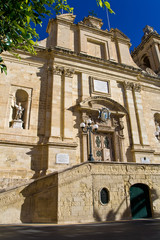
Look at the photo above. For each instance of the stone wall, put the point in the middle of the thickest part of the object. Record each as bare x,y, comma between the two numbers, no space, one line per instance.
73,195
79,191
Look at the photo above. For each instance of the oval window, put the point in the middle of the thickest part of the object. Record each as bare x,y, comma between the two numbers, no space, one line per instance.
104,196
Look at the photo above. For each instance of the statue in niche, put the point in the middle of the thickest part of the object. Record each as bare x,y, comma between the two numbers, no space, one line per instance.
19,111
157,133
17,121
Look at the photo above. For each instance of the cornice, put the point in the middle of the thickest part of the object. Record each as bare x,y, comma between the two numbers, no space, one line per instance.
63,144
26,58
51,53
17,143
115,66
71,55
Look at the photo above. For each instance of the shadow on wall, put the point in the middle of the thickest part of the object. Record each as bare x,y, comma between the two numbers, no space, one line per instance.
39,163
129,213
39,152
41,201
112,214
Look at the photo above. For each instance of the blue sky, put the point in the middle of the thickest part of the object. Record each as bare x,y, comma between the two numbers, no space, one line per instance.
131,16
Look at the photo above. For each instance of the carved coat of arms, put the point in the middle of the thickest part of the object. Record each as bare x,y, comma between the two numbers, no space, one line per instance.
104,114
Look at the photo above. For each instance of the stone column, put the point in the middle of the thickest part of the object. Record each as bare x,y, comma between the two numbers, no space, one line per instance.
140,116
56,102
132,112
68,118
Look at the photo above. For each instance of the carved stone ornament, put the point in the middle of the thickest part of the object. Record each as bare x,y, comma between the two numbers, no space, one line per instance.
92,21
119,126
137,87
128,85
58,70
151,72
104,114
69,72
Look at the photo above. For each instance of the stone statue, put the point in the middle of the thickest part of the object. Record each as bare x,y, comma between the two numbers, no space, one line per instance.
157,133
19,111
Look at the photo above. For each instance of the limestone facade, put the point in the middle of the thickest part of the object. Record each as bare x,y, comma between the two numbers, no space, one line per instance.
80,71
73,195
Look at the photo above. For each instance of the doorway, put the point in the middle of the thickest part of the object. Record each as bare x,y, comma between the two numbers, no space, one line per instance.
140,201
103,147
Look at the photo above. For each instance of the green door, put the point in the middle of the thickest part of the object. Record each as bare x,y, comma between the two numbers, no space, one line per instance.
140,201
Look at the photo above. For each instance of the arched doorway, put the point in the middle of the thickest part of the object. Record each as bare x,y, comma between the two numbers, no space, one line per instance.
108,141
140,201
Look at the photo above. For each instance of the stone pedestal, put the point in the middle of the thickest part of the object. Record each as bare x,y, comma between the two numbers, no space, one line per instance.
17,124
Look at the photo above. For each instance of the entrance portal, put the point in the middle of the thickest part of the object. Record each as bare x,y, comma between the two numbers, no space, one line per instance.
140,201
103,147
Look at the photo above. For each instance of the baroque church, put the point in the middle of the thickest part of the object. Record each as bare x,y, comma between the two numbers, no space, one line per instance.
80,127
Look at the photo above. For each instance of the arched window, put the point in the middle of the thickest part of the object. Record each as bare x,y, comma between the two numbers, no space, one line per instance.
145,62
104,196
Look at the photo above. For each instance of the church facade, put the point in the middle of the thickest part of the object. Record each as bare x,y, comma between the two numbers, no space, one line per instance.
80,127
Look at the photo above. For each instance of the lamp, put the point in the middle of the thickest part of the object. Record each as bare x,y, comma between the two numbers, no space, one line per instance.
89,129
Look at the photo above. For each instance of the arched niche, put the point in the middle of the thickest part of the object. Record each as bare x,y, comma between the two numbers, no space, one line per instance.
19,96
107,142
22,97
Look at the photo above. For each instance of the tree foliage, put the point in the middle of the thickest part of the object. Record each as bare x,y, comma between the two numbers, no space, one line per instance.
16,17
104,4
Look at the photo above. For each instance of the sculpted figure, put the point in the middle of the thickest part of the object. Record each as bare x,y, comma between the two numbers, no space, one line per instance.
157,133
19,111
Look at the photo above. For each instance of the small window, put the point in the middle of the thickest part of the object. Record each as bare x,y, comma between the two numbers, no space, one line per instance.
104,196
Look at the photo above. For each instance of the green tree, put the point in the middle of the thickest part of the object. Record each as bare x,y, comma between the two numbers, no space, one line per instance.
104,4
16,17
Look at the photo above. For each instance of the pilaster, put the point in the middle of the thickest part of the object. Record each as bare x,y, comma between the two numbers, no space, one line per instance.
56,102
68,119
132,112
140,116
85,86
